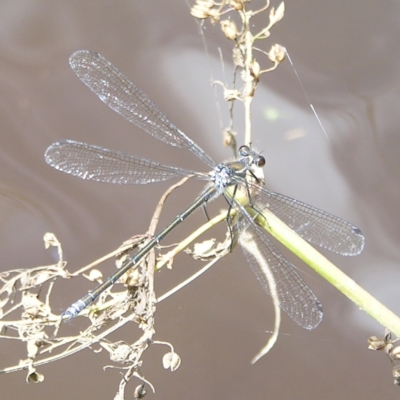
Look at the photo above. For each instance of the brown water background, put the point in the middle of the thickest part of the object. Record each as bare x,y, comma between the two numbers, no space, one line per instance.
348,56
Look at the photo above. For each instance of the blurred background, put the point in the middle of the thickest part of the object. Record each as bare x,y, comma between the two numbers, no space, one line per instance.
347,56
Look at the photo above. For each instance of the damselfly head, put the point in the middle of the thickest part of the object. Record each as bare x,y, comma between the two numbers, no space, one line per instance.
253,158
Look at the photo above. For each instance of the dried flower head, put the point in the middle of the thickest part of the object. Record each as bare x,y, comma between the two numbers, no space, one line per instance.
277,53
236,4
276,15
255,70
229,28
202,9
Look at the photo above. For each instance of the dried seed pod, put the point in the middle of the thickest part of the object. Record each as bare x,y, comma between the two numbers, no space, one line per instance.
171,361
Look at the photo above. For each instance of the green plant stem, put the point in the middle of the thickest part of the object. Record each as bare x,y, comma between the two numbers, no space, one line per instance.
312,258
329,271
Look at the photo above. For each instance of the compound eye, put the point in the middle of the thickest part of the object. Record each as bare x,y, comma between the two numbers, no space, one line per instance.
260,161
244,151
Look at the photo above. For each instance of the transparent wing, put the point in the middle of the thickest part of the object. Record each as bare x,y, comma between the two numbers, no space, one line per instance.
277,276
121,95
316,226
94,163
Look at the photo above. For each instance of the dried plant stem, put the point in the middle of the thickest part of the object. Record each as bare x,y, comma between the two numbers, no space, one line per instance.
187,281
183,245
249,84
78,348
166,258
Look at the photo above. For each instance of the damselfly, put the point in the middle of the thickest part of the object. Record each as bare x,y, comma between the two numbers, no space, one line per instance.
97,164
